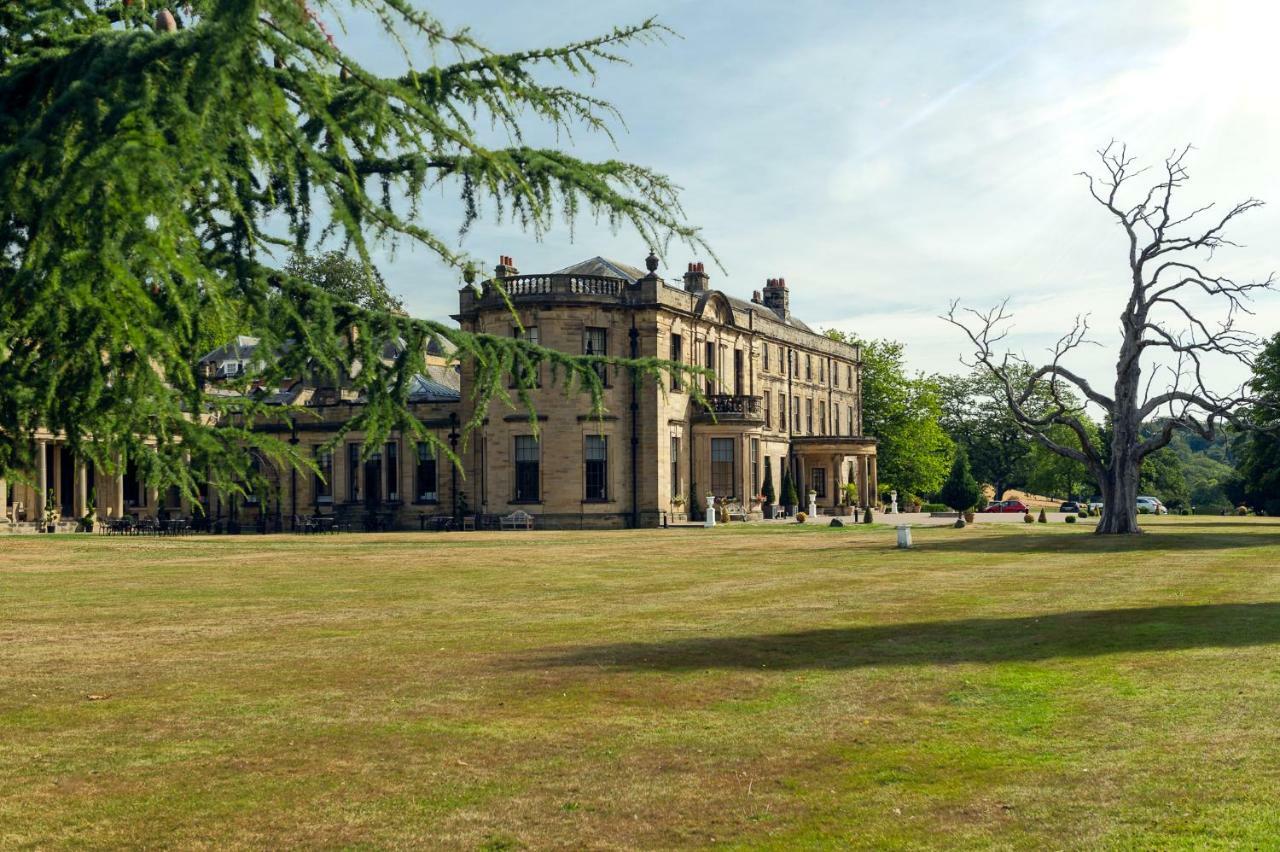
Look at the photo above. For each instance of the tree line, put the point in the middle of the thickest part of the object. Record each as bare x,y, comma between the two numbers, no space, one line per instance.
923,420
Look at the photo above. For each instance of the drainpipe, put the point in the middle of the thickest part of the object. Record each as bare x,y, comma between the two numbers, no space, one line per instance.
634,335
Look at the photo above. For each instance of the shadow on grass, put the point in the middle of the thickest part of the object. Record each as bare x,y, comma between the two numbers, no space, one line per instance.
1084,540
1085,633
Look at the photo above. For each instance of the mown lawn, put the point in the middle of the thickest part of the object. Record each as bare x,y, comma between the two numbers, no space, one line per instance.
1009,686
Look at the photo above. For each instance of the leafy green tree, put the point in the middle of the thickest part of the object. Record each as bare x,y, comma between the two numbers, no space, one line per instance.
1260,449
346,279
155,162
975,416
903,412
1163,477
770,496
961,491
1059,476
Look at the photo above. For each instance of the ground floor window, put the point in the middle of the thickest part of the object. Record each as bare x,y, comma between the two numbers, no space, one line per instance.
425,485
818,481
393,471
353,472
527,463
323,485
675,465
722,467
596,467
755,467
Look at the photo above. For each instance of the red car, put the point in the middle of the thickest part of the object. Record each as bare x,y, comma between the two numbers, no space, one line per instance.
1007,506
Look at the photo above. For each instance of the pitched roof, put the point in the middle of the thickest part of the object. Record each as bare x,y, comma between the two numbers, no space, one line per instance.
239,349
441,384
604,267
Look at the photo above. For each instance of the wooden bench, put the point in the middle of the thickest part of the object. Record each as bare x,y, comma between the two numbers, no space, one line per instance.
735,512
517,520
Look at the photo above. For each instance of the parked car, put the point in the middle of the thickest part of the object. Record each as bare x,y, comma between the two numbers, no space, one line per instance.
1072,507
1007,506
1152,506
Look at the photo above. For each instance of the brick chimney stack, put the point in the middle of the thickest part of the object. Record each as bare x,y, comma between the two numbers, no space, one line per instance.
506,267
776,297
696,280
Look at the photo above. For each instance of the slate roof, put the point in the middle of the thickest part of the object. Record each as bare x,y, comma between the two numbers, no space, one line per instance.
441,384
744,305
604,267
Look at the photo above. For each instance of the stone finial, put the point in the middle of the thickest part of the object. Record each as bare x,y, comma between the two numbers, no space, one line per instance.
651,262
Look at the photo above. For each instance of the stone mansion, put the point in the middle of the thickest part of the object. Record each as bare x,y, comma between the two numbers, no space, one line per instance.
782,394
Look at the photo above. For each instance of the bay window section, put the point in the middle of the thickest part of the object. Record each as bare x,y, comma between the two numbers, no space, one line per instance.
722,467
322,489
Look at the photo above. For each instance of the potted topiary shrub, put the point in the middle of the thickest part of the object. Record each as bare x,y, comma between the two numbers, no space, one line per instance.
770,496
801,517
866,515
1027,519
961,490
90,519
51,513
1044,519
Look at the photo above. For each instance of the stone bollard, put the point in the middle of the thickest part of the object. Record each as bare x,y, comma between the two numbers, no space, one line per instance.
711,511
904,536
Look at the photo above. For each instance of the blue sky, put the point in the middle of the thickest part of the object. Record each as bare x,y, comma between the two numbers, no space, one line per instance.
888,157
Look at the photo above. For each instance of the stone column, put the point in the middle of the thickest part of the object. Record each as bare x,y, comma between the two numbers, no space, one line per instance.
119,507
42,483
4,499
82,489
873,479
864,481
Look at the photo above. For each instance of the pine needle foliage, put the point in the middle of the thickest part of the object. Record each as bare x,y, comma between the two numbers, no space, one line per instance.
157,165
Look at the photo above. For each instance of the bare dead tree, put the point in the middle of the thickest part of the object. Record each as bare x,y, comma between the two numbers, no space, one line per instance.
1160,324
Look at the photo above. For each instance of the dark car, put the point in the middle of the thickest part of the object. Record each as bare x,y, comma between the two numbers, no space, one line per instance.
1071,506
1007,506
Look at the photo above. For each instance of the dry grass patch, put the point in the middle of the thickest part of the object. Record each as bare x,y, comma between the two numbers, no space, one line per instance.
752,687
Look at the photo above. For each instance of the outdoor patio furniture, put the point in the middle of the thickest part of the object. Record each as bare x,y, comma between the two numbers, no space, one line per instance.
518,520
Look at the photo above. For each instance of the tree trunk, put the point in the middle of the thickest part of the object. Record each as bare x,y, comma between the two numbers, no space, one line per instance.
1120,496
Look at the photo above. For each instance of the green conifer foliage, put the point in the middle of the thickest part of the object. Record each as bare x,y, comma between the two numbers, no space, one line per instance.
158,166
961,491
770,496
789,496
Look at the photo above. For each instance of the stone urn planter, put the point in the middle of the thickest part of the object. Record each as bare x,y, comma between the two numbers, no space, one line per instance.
968,517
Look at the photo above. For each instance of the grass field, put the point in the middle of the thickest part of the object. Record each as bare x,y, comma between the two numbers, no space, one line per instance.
1008,686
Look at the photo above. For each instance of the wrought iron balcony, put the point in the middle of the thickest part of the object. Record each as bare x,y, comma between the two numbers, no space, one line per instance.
733,408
